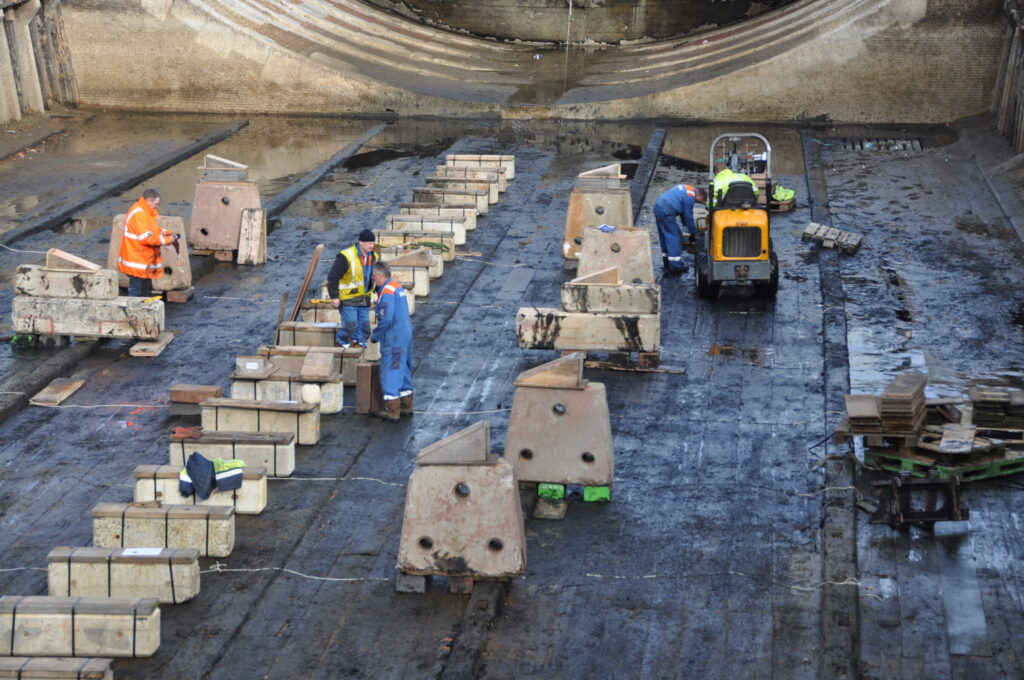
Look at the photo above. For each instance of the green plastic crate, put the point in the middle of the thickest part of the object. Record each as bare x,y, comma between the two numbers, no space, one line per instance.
555,492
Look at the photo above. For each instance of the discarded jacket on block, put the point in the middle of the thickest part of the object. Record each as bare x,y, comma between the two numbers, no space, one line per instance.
202,477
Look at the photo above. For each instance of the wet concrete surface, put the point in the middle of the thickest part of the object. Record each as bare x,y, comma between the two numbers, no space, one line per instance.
707,561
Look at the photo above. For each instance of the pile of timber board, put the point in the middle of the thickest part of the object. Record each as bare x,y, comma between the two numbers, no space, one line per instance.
831,237
997,407
902,404
863,413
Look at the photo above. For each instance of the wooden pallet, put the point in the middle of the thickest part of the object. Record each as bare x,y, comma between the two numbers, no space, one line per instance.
56,392
919,465
830,237
151,348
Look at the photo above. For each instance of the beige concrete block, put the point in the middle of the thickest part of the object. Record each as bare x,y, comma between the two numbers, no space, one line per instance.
641,298
210,529
474,172
288,387
243,415
465,210
177,272
274,451
415,280
160,483
398,255
406,223
55,667
33,280
318,334
478,198
217,213
79,626
592,208
387,238
505,161
546,328
122,317
169,575
488,185
628,248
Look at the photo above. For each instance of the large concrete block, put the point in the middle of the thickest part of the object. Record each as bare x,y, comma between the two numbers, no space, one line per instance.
415,256
455,225
465,210
559,430
55,667
284,386
546,328
463,518
441,242
169,575
592,208
160,483
217,213
123,317
290,358
79,626
478,198
177,272
274,451
504,161
33,280
210,529
496,175
628,248
488,185
244,415
318,334
598,293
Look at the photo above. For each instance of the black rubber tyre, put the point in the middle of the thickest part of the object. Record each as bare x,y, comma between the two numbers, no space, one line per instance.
706,289
769,288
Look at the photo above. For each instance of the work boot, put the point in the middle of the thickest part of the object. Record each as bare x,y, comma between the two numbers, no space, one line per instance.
407,405
390,412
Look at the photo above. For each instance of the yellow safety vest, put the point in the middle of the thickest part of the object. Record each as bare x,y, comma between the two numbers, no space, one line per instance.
723,180
352,284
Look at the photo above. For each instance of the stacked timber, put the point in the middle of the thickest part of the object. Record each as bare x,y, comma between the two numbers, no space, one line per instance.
902,404
70,296
863,413
998,408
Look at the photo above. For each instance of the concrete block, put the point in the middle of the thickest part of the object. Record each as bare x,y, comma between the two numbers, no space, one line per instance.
290,358
177,272
387,238
466,211
55,667
320,334
628,248
210,529
244,415
640,298
123,317
79,626
504,161
405,223
160,483
319,312
480,199
284,386
589,207
463,519
546,328
34,280
274,451
411,583
496,175
169,575
415,280
435,263
217,213
488,185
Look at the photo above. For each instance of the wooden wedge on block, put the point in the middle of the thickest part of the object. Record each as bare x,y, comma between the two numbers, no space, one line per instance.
79,626
59,259
171,575
321,334
496,175
488,185
327,394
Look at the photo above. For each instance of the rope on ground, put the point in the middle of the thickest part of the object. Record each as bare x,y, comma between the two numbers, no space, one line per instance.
218,568
15,250
493,264
87,406
335,479
8,569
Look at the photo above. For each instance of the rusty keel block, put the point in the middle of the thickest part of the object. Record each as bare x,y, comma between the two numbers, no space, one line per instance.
462,512
559,431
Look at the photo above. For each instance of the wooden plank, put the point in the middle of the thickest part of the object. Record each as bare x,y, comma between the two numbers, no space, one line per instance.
59,259
252,237
186,393
610,276
563,373
152,348
862,406
305,282
957,438
317,366
369,397
56,392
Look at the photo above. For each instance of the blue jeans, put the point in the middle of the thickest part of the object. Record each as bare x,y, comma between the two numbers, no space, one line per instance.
139,287
355,325
670,236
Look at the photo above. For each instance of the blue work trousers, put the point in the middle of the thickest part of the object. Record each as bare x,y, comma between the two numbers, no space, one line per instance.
671,238
355,325
396,370
139,287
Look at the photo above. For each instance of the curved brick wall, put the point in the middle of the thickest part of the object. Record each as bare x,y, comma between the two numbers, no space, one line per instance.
855,60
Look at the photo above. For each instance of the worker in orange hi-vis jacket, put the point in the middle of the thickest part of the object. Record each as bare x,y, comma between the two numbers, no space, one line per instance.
140,245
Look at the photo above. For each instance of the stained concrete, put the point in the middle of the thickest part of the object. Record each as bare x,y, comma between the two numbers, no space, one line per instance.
706,562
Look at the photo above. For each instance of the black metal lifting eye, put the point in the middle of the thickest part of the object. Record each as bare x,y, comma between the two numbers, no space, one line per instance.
225,200
616,247
426,542
599,210
461,490
526,454
587,457
495,544
559,409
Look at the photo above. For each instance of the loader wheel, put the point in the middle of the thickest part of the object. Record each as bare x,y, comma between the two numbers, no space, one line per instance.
769,288
706,288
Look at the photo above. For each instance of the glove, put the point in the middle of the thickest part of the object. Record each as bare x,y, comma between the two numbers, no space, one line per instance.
177,247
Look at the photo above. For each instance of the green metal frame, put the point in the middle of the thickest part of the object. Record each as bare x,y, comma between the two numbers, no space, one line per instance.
966,471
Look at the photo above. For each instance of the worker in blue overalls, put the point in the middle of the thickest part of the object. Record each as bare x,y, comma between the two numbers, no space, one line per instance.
394,333
675,203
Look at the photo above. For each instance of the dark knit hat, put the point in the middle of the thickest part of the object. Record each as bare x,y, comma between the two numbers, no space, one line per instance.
367,235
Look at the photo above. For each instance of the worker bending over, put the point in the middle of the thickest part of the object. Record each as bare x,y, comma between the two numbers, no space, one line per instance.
141,241
394,333
349,284
673,205
723,178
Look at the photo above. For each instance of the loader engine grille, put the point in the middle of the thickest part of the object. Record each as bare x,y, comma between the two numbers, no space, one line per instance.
741,241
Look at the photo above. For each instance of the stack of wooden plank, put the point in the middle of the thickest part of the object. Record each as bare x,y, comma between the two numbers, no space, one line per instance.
830,237
902,404
863,413
997,407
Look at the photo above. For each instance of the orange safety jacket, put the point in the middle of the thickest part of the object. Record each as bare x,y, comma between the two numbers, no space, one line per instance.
141,242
